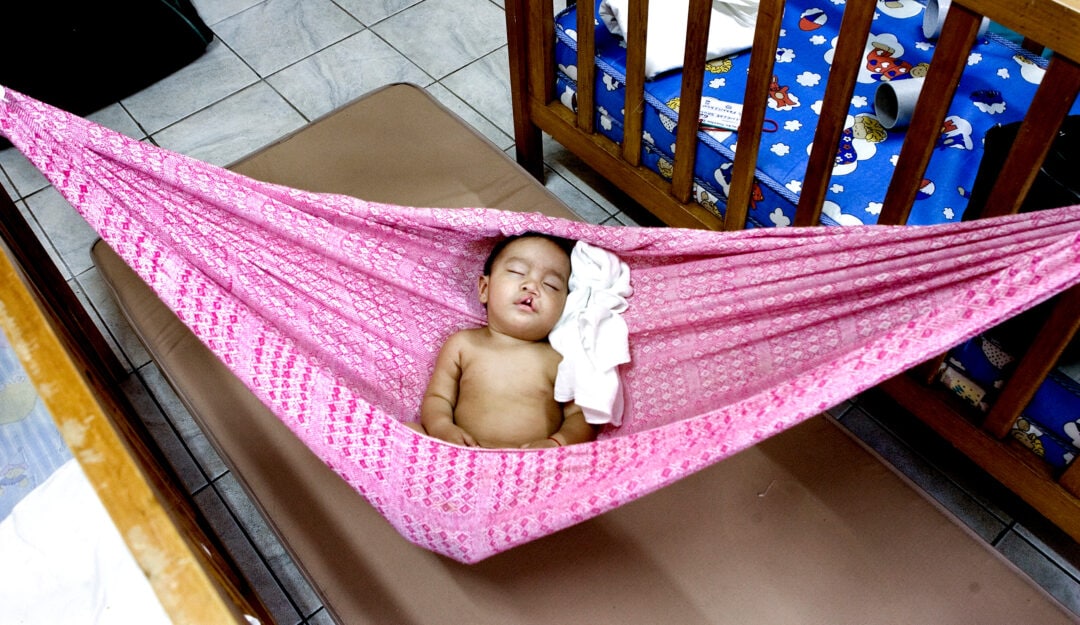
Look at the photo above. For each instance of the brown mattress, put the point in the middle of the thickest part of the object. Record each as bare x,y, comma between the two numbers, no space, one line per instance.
806,527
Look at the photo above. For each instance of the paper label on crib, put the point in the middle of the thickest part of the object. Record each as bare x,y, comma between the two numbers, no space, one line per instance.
719,114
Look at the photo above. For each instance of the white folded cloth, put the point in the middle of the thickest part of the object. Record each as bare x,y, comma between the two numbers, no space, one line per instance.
731,29
64,561
592,336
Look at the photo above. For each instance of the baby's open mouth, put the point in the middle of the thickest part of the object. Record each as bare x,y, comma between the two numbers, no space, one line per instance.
526,302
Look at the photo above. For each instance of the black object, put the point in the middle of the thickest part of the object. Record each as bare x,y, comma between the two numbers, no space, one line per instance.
1056,184
82,55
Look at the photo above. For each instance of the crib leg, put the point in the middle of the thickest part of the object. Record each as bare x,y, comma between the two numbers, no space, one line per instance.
529,149
528,140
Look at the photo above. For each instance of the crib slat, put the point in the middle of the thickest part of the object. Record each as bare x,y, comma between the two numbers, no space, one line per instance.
586,66
697,35
946,66
1032,46
854,29
921,136
948,62
529,79
929,370
755,105
1041,357
634,104
1053,100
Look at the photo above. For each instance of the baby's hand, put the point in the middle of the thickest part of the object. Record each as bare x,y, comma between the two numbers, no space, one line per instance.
453,433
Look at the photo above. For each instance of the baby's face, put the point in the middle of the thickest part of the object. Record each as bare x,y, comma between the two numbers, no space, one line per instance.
526,291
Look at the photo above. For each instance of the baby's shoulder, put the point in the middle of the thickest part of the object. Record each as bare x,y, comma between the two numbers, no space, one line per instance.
469,338
468,334
550,354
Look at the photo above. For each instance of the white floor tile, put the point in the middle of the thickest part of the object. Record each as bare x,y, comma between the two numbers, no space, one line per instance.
69,235
25,178
372,11
234,127
277,33
213,11
448,99
214,76
343,72
485,86
442,36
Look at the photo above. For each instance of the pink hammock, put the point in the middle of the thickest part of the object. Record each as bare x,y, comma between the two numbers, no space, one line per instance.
331,309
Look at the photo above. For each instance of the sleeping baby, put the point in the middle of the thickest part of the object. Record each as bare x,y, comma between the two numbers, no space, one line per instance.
494,386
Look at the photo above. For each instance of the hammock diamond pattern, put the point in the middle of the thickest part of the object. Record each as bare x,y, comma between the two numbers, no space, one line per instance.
332,309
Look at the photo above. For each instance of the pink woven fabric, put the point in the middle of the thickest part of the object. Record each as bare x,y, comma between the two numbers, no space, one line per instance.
332,309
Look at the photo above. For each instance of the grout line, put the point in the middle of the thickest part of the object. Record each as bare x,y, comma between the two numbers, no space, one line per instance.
16,195
137,376
247,535
1003,534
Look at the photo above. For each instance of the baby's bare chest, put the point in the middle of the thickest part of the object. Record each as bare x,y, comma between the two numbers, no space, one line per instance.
519,373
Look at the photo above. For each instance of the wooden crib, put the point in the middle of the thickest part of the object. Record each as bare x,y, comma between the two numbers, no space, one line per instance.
1052,24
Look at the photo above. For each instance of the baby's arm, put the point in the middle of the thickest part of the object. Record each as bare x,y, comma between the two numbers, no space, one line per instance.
574,429
437,409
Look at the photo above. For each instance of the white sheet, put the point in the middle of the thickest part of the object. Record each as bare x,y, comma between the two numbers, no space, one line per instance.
592,336
63,561
731,29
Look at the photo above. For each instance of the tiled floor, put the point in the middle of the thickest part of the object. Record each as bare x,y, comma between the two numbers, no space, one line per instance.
277,64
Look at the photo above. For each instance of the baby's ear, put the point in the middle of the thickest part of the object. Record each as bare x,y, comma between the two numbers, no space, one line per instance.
482,289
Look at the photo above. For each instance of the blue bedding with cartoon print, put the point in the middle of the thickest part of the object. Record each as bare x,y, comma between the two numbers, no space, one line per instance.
996,89
1050,424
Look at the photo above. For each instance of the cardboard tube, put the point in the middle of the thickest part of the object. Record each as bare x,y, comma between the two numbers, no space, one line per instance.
934,18
894,101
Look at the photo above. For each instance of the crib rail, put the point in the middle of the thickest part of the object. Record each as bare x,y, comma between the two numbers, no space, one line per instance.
530,35
1052,24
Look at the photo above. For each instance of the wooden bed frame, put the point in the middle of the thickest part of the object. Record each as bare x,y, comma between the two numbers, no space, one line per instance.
1052,24
78,378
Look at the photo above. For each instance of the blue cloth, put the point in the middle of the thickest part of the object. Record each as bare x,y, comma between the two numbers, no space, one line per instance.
31,447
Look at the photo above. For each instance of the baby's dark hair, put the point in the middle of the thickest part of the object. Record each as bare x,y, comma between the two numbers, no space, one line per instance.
566,245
